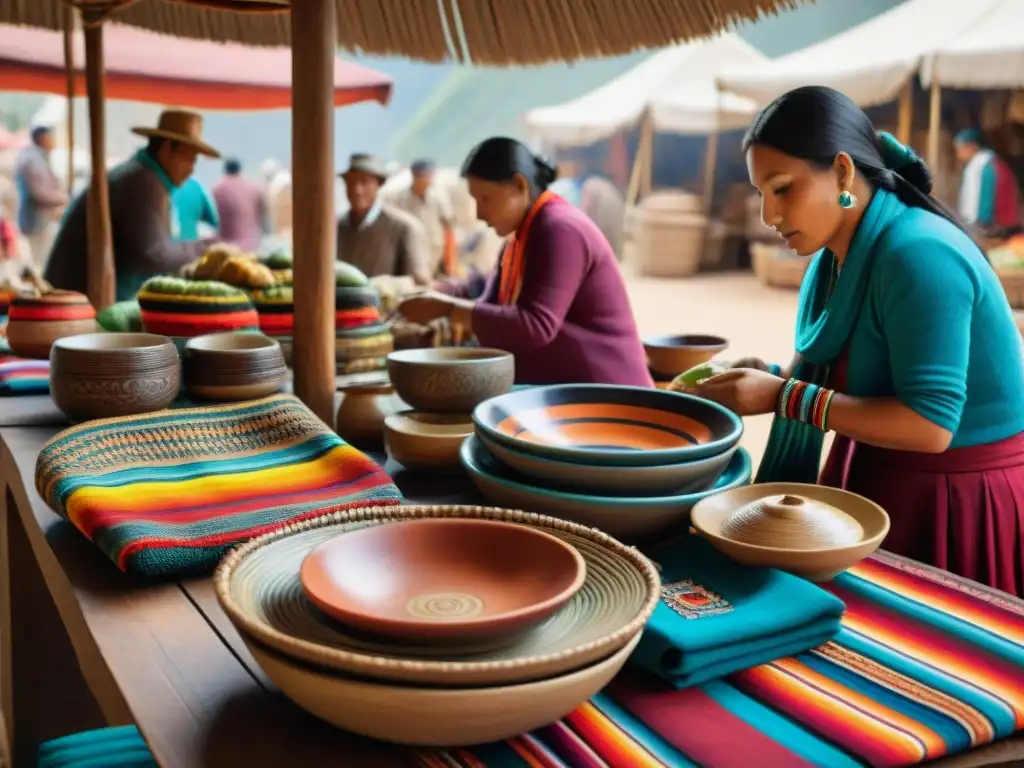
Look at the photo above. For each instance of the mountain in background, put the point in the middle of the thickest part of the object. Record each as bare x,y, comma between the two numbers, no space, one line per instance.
473,104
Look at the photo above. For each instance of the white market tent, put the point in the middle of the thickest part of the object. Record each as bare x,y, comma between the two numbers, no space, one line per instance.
675,86
874,60
990,54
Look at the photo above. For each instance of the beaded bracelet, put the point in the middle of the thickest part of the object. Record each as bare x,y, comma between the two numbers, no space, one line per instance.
805,402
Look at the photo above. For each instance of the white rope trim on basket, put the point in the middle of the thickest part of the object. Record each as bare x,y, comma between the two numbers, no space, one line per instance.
380,514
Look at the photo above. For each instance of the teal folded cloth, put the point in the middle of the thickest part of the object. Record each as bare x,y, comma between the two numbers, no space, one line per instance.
116,747
717,617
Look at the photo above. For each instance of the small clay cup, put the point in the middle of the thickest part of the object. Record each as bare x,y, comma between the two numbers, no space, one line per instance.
419,440
443,579
668,356
233,366
450,379
35,322
103,375
361,414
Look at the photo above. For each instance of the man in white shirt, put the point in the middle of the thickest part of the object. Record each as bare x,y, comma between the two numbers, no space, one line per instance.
429,204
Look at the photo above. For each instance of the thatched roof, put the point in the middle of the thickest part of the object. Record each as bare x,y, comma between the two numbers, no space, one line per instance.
498,32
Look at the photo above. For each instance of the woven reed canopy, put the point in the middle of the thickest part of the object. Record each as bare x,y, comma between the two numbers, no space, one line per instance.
496,32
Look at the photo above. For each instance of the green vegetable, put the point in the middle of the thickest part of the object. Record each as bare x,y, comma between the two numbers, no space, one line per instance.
276,294
697,374
347,276
123,317
180,286
279,259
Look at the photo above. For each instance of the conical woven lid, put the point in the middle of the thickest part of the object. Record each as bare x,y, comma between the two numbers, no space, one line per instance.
792,522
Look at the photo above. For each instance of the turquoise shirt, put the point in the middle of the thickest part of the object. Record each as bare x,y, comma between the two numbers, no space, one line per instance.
937,332
191,204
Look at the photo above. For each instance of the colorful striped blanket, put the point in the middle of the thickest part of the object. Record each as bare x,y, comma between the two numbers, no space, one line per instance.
20,376
166,494
926,665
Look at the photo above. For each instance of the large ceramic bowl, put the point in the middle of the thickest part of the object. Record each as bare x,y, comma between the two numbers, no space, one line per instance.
35,322
233,366
445,579
628,518
102,375
810,530
671,355
607,425
450,379
667,479
426,440
440,716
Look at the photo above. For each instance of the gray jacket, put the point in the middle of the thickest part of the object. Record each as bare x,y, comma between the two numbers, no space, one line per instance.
140,220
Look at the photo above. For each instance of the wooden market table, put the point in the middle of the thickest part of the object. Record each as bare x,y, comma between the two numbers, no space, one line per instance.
83,646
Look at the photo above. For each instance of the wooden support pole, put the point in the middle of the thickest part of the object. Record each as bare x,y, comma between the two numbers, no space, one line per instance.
647,169
100,253
934,122
905,121
69,70
313,51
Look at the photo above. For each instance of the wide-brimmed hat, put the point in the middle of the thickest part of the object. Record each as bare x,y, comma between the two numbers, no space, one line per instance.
181,126
366,164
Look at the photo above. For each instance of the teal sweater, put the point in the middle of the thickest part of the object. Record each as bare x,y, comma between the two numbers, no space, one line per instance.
937,332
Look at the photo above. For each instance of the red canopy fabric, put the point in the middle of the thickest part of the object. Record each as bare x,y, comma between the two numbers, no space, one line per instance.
159,69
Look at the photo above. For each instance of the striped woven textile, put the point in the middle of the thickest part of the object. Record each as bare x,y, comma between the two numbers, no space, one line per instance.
183,316
166,494
926,665
20,376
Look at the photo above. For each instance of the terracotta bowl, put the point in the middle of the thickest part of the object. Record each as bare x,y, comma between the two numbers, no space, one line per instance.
419,440
630,518
450,379
443,579
233,366
810,530
667,479
102,375
671,355
35,322
608,425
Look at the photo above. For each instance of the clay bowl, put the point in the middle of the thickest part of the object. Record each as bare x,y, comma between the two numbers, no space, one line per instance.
102,375
671,355
666,479
233,366
443,579
35,322
419,440
606,425
450,379
629,518
810,530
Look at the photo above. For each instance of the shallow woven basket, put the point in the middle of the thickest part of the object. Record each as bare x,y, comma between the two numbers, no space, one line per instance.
258,586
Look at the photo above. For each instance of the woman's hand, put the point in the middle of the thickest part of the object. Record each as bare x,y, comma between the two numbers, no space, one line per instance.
426,307
744,391
750,362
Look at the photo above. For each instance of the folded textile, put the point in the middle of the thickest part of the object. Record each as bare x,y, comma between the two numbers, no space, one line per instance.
717,617
166,494
20,376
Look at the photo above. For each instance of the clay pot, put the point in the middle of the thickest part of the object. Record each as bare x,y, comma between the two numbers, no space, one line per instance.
34,323
450,379
363,409
102,375
233,366
426,440
672,355
444,579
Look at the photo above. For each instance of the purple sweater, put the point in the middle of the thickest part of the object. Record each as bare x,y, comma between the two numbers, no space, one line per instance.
573,322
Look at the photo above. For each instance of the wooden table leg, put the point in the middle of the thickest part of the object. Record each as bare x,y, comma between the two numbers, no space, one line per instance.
44,694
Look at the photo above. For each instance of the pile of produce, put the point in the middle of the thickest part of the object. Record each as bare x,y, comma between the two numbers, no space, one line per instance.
183,308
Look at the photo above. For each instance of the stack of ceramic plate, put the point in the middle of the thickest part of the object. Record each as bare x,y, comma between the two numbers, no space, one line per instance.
438,625
628,460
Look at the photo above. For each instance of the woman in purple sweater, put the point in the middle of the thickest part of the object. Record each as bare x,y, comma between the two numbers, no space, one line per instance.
556,300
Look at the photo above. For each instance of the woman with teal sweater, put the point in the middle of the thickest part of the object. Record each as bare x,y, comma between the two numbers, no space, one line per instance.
906,346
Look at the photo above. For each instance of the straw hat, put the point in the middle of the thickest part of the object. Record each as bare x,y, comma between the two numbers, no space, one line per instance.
366,164
181,126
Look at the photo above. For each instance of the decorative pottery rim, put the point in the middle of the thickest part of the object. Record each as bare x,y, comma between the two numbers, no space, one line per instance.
665,342
877,539
484,355
599,457
741,456
366,663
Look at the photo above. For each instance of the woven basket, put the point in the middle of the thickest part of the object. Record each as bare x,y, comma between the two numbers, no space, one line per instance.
778,266
1013,285
259,589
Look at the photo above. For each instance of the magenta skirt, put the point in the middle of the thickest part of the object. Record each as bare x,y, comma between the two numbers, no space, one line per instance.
962,510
